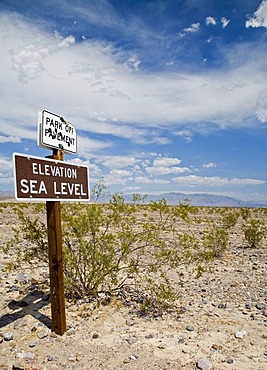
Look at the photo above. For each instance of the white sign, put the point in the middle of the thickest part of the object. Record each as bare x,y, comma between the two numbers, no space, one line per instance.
55,132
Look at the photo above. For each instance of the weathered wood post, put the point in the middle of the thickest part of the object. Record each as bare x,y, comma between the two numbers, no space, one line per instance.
56,261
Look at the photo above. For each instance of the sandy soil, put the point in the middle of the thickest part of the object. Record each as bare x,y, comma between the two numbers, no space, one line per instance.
202,333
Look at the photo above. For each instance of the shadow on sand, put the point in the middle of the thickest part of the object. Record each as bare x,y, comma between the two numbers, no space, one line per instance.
29,305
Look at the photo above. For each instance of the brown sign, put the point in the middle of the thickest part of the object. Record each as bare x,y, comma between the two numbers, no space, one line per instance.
48,179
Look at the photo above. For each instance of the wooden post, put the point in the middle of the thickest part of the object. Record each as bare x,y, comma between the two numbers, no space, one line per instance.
55,261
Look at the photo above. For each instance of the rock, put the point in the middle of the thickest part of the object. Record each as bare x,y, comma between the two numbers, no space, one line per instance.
14,288
95,336
71,331
130,322
149,336
241,334
249,305
32,344
204,364
230,361
17,366
222,306
50,358
26,355
43,333
131,340
189,328
216,347
9,336
260,306
21,278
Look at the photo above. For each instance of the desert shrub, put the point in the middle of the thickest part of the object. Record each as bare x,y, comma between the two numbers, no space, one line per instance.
109,246
215,240
30,238
245,213
230,219
254,232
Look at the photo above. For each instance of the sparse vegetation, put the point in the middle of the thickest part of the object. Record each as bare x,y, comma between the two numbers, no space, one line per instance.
254,232
108,247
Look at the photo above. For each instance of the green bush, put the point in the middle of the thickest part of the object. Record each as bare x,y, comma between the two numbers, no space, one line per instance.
254,232
107,247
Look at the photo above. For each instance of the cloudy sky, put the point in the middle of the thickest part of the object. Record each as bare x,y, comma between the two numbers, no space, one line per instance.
165,95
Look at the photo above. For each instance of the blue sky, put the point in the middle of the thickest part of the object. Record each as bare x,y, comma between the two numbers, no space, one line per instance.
164,95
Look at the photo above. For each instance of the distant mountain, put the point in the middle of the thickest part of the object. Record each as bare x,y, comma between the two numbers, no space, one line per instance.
6,194
197,199
174,198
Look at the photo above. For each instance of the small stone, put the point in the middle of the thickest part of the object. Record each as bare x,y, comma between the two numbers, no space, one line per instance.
241,334
204,364
216,347
130,322
189,328
249,305
43,333
50,358
9,336
71,331
149,336
26,355
221,306
131,340
17,366
260,306
230,361
14,288
161,346
133,357
32,344
95,336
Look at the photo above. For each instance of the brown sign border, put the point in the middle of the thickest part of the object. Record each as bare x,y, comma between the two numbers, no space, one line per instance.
23,169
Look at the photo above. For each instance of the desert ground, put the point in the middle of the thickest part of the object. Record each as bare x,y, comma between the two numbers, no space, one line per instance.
220,321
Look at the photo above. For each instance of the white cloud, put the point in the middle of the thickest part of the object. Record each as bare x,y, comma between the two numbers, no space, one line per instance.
259,18
224,22
146,180
65,42
118,162
166,162
166,170
210,20
120,173
132,63
6,164
262,107
193,180
186,134
209,165
195,27
88,84
9,139
6,174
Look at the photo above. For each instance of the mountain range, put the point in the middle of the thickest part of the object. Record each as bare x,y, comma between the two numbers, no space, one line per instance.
174,198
